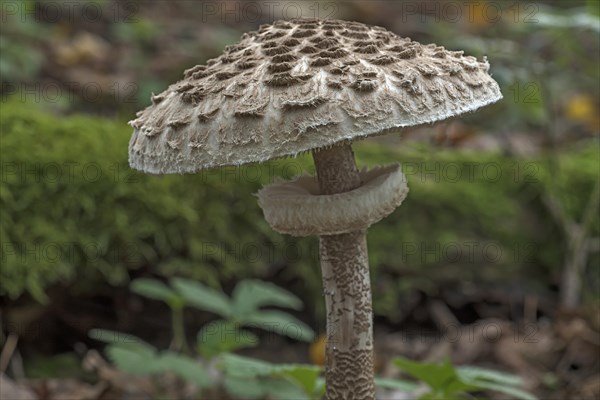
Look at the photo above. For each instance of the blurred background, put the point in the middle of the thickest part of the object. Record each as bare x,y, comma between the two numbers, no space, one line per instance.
499,236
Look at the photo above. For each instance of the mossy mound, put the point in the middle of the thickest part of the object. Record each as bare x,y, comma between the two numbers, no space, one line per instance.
73,213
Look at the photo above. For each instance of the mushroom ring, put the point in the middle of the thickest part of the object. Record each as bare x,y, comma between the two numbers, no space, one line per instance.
298,208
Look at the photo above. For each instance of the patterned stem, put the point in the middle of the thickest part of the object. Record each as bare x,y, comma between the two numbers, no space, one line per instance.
345,269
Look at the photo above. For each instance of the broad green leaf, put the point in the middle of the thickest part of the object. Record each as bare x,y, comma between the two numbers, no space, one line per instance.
261,387
279,322
129,353
203,297
494,380
108,336
477,374
251,294
246,367
305,376
184,367
243,388
440,377
396,384
133,358
512,391
154,289
445,380
281,389
223,336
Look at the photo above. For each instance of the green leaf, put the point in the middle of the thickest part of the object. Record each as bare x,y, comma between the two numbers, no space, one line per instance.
441,378
249,367
396,384
129,353
113,337
494,380
509,390
446,381
477,374
156,290
223,336
281,389
251,294
243,388
132,358
305,376
203,297
245,367
253,388
279,322
184,367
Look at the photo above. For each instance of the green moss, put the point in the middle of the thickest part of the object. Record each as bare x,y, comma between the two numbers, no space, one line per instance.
73,213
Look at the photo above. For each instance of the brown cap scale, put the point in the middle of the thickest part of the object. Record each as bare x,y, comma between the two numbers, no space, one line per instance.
314,85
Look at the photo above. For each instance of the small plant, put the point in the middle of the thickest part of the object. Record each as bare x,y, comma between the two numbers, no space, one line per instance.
243,309
448,382
440,381
132,355
218,338
248,377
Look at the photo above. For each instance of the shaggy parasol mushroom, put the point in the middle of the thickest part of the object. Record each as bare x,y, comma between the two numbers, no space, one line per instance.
314,85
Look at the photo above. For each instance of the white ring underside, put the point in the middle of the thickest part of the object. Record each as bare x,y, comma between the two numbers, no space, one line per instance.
296,207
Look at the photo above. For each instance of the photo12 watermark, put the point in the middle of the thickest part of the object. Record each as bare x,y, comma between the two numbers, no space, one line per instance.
70,252
483,331
70,11
66,172
490,12
118,92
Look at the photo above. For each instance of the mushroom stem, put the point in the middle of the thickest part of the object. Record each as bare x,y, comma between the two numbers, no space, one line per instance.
345,269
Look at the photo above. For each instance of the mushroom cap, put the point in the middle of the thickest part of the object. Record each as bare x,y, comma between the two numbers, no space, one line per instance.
297,85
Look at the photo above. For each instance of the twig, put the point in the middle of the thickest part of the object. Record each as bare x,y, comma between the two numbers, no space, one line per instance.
442,315
7,351
556,211
577,235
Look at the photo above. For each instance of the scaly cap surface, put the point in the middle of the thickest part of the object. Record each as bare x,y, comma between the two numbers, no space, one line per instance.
302,84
